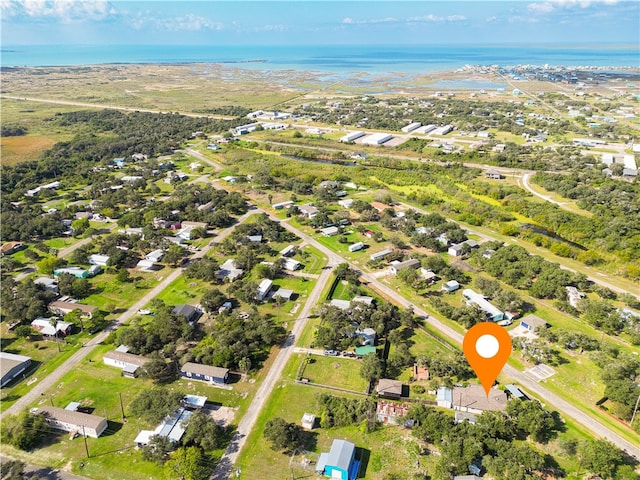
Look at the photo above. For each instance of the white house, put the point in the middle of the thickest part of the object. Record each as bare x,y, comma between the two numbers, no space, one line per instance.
127,362
380,255
329,231
291,264
451,286
474,298
154,256
377,139
101,260
356,246
264,288
73,421
412,263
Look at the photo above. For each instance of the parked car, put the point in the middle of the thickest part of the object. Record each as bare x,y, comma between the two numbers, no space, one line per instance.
331,353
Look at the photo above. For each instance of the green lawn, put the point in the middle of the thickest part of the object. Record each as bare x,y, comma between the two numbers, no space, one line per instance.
108,291
184,290
335,371
314,262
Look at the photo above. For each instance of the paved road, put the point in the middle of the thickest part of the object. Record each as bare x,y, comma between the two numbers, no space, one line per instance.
550,398
225,467
54,377
547,396
525,182
109,107
63,252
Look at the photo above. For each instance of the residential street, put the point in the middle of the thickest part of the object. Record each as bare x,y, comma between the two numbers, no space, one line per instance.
551,399
54,377
224,469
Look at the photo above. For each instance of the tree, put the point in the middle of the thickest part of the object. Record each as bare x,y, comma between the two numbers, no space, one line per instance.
24,331
123,276
530,417
24,431
282,435
372,368
12,470
160,371
601,457
48,264
212,300
155,404
203,432
157,449
79,226
186,464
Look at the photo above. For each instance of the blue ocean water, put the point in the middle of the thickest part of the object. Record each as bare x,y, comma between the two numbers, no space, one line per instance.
326,58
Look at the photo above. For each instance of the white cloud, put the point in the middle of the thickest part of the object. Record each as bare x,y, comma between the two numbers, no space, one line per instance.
184,23
64,10
554,5
351,21
521,19
436,18
271,28
540,8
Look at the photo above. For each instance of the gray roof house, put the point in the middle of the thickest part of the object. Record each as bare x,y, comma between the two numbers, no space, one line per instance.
190,312
12,365
73,421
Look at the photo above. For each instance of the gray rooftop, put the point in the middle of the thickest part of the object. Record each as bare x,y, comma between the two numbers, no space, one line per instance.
340,454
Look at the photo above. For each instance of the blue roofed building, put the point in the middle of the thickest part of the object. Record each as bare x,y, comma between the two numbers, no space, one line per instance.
340,462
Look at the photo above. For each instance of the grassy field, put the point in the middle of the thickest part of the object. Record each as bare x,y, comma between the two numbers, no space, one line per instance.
335,371
99,386
107,291
184,290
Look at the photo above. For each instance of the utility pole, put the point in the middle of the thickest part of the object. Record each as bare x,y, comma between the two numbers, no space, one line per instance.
121,407
86,447
635,409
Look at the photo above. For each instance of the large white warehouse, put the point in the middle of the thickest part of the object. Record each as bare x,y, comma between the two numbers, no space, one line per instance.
377,139
443,130
351,136
411,127
425,129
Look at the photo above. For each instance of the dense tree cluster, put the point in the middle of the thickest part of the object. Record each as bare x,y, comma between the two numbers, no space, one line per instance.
342,412
24,301
113,134
232,339
491,441
154,404
283,435
161,334
25,430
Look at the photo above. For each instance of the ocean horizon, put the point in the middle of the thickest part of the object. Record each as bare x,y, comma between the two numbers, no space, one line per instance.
327,58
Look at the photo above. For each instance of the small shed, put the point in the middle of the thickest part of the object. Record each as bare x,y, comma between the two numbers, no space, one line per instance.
532,323
308,421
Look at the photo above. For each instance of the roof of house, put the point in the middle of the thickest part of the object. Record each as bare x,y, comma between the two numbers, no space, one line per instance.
380,206
72,306
43,325
8,246
186,310
533,320
444,394
208,370
341,454
284,293
71,417
9,361
341,304
474,396
462,416
127,358
411,263
387,386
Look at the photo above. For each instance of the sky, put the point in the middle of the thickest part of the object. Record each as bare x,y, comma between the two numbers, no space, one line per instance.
302,22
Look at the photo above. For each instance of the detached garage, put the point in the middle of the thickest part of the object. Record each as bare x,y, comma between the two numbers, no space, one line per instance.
532,323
